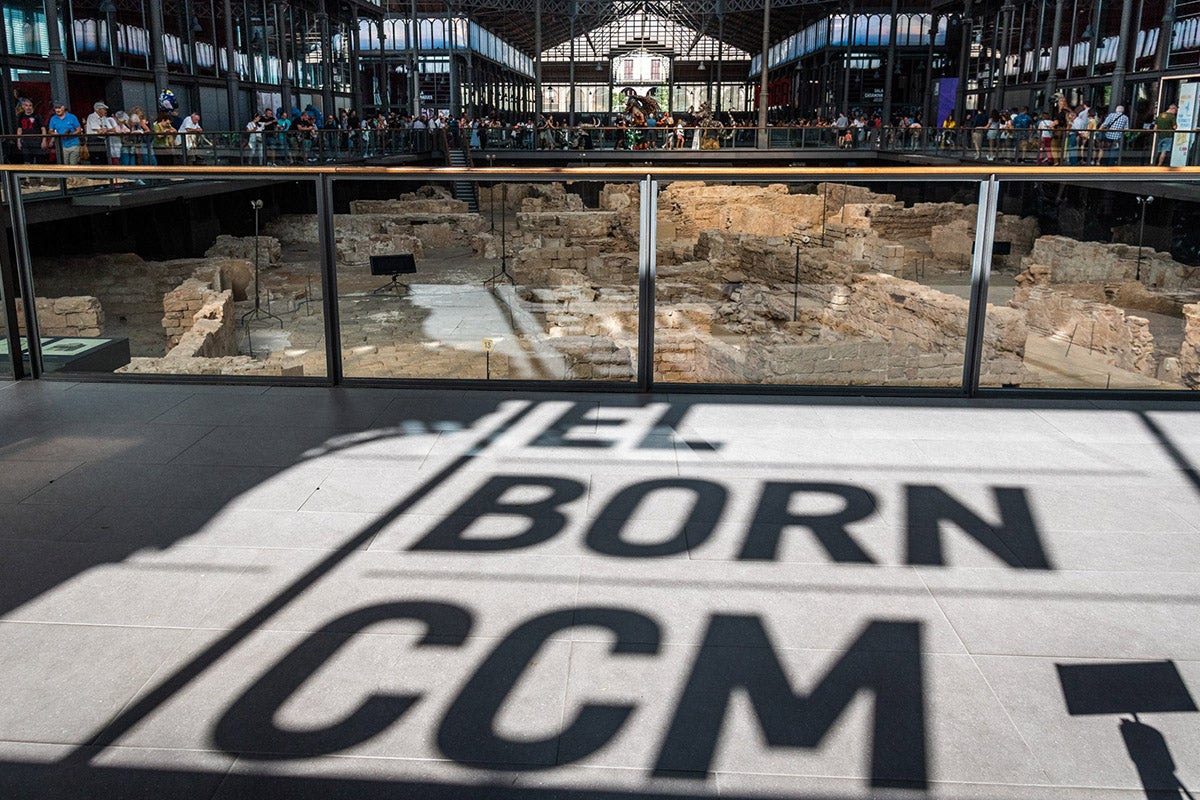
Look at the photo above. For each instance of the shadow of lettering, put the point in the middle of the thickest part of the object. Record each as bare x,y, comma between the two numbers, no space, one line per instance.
604,536
661,435
1015,540
468,733
885,659
545,519
248,727
557,433
772,517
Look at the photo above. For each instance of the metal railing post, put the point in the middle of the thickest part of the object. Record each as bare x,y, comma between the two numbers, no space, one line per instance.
16,210
328,250
647,262
8,299
981,266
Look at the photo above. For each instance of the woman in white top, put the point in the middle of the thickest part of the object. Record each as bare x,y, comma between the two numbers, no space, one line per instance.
255,140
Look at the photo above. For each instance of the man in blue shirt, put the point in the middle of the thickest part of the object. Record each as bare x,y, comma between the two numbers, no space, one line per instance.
66,126
1022,123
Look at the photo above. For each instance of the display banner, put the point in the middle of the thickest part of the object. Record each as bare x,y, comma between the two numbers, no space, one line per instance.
1185,123
946,90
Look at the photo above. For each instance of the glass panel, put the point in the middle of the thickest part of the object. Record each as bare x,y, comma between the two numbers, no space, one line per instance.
201,285
1106,293
547,273
814,284
6,372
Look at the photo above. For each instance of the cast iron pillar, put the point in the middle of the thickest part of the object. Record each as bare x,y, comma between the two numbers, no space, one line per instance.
763,95
158,54
890,68
1121,67
232,88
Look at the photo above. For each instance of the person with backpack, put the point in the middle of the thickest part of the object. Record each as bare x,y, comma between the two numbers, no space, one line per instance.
1113,135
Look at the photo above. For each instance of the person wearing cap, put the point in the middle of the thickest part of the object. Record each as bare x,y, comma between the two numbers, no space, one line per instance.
1114,127
100,128
66,127
1164,125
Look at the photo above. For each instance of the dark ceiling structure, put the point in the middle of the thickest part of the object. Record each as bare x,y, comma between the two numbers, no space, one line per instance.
740,22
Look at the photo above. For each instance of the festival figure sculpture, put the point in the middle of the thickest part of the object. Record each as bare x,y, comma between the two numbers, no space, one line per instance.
710,129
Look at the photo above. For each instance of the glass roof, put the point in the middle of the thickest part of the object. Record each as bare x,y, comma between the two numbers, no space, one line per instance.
642,31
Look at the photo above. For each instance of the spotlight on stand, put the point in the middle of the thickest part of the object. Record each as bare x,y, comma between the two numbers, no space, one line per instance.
257,313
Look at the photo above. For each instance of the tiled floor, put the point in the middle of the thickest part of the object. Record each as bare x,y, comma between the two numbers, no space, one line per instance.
229,592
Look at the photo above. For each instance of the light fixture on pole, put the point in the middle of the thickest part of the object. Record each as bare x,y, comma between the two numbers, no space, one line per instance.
1142,201
257,312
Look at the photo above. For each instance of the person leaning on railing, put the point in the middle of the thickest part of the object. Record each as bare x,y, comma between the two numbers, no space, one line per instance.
99,127
166,143
66,128
194,141
306,128
139,136
31,133
254,139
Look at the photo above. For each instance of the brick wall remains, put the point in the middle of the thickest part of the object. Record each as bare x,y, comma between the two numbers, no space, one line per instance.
1189,352
1073,261
198,318
66,316
243,247
1118,338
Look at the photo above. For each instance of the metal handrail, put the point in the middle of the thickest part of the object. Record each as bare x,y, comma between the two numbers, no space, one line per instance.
325,145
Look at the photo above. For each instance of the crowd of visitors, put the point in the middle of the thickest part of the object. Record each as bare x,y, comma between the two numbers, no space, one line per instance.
1079,136
1062,135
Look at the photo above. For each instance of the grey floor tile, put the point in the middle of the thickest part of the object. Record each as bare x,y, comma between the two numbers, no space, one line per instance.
255,446
814,606
24,478
370,487
1071,614
786,787
19,521
137,526
363,777
1099,425
62,683
52,771
116,443
515,588
959,424
106,584
182,486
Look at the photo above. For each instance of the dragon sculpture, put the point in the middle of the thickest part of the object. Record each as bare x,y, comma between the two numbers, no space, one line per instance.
639,106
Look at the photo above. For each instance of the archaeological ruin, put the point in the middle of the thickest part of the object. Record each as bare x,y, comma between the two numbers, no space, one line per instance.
822,284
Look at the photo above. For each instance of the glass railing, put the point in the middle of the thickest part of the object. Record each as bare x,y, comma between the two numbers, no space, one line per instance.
952,280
